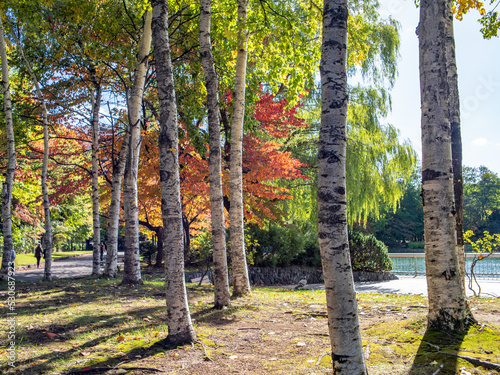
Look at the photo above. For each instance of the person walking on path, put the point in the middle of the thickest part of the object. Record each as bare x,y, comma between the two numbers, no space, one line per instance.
103,250
38,255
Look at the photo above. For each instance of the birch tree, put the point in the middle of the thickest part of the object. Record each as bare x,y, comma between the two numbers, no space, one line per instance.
11,160
345,336
180,326
221,280
96,105
241,282
47,237
132,266
448,309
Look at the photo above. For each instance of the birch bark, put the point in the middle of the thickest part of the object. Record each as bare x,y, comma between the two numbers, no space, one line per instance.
241,283
96,106
180,326
11,161
345,336
448,309
47,238
456,144
132,266
114,210
221,279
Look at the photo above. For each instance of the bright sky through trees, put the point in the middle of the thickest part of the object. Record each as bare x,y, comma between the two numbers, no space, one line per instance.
478,79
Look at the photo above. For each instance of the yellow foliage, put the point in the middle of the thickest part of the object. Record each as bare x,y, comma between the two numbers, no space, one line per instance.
463,6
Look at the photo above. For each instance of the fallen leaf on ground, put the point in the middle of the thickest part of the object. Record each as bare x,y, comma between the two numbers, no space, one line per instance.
301,344
50,334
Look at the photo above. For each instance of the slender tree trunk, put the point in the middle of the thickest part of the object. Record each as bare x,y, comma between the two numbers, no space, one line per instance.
345,336
96,106
448,309
114,210
132,266
45,165
221,279
159,253
180,326
241,282
11,161
456,145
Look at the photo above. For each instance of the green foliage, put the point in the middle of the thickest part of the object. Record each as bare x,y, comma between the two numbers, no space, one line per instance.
481,199
368,253
404,225
278,246
147,250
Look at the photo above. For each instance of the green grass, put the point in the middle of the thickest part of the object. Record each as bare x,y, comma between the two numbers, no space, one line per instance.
99,323
27,259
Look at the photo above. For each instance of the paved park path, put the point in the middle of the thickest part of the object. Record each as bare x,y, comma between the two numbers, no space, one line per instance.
76,267
81,266
413,285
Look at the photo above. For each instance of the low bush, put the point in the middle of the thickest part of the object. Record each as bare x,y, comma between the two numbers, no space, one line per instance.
368,253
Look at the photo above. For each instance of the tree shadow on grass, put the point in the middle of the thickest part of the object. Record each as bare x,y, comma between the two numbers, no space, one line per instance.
430,356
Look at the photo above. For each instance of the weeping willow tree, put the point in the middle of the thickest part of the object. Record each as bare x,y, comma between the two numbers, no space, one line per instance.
378,162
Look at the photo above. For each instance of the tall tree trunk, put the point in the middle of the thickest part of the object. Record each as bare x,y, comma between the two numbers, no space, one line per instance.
96,106
241,283
221,279
456,145
132,265
180,326
448,309
45,165
114,210
11,161
345,336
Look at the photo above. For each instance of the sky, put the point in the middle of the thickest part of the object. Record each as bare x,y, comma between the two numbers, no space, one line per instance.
478,80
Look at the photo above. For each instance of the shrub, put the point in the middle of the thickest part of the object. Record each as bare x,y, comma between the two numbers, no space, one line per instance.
147,250
368,253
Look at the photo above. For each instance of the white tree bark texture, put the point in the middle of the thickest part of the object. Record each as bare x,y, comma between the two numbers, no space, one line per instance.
221,279
180,326
96,224
47,237
448,309
344,331
241,282
11,161
132,265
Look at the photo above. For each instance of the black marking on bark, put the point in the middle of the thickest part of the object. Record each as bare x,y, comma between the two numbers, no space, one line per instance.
339,358
449,274
429,174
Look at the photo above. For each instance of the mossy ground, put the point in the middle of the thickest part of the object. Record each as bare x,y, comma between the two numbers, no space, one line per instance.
100,324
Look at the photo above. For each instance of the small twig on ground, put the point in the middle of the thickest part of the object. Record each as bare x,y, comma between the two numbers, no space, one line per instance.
476,361
320,358
245,328
207,357
438,370
106,369
432,345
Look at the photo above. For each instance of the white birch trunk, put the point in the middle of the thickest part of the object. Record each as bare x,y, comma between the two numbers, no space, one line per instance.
241,283
96,105
47,238
11,161
345,336
456,144
132,266
180,327
448,309
221,279
114,211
